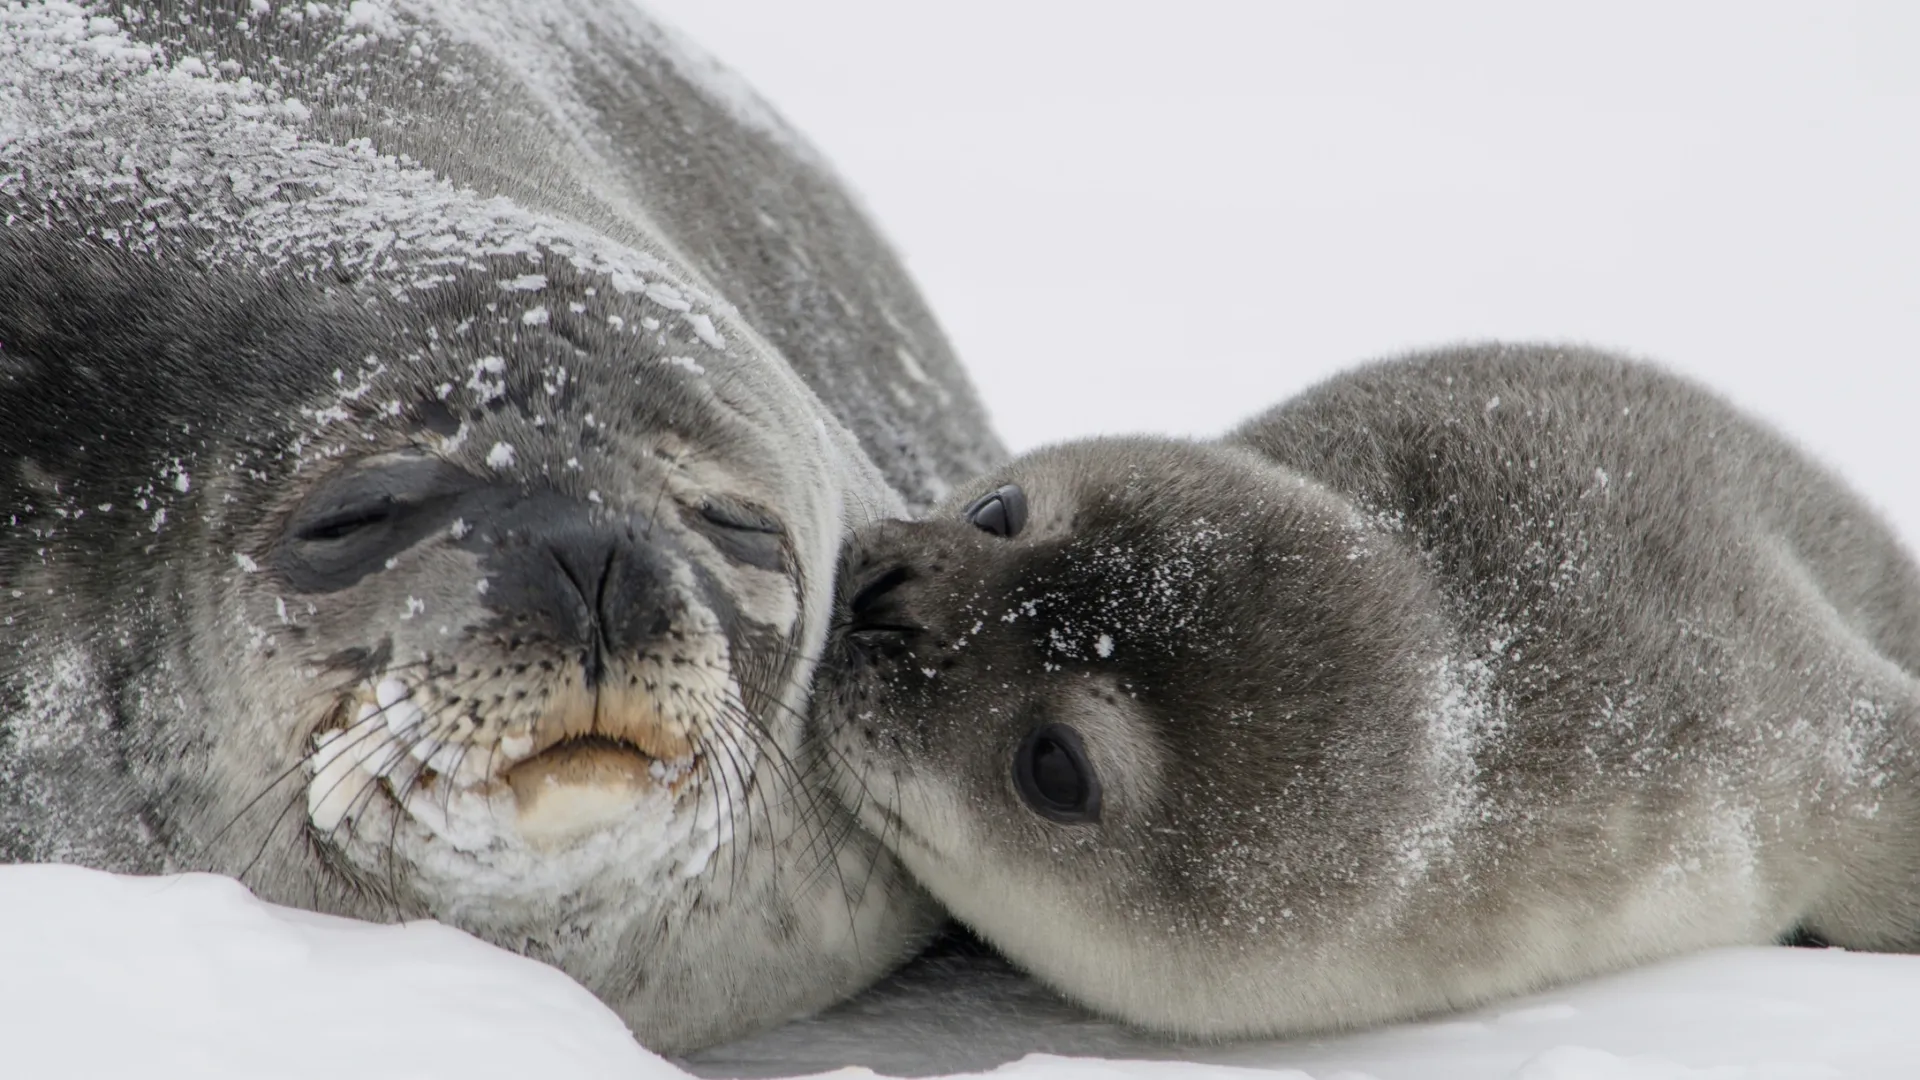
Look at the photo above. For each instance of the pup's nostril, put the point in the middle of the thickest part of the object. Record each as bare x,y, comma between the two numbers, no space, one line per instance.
876,590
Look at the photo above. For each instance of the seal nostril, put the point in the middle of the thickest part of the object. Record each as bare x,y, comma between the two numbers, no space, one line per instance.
873,591
577,582
586,609
872,619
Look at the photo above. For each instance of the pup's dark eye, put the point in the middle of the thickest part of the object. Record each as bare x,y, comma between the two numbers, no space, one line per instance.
1051,772
1002,512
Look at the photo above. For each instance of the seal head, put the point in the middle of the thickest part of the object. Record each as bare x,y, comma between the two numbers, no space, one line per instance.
1068,727
404,505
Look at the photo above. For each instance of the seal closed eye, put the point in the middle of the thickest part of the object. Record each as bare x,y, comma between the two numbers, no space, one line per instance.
742,533
356,519
1453,678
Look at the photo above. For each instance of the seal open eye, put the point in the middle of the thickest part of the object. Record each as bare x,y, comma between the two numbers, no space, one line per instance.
1052,773
1002,512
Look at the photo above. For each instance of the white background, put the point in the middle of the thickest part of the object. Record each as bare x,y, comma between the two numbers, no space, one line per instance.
1146,217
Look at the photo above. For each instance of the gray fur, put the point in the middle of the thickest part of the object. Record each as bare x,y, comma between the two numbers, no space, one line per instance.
252,249
1455,677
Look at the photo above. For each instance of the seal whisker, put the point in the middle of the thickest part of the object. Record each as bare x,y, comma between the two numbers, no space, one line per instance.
375,784
415,777
876,850
266,840
741,843
451,775
810,804
746,754
813,743
300,764
295,799
753,661
833,836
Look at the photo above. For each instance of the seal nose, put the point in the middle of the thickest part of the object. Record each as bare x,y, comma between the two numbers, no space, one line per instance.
586,562
598,586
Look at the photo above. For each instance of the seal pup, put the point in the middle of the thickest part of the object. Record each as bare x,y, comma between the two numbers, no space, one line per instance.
427,431
1455,677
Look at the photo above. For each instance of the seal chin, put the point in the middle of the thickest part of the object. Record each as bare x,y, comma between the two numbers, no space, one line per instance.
590,761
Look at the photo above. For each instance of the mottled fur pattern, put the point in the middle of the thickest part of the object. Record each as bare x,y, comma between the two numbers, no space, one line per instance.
1454,677
541,278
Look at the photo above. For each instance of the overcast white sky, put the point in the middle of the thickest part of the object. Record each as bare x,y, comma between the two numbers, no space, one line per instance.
1163,217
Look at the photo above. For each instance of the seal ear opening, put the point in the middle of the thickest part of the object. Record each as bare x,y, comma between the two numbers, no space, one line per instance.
1053,775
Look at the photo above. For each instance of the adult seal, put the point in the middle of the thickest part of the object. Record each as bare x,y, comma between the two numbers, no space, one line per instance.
427,430
1455,677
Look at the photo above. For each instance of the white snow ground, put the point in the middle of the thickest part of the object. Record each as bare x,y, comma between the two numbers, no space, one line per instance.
1155,217
191,977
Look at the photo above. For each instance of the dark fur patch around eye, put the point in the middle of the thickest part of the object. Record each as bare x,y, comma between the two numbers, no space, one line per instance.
356,519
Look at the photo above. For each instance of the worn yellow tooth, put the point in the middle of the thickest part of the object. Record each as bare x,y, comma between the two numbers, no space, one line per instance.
337,779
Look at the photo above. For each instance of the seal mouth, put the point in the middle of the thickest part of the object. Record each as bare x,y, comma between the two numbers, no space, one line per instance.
579,764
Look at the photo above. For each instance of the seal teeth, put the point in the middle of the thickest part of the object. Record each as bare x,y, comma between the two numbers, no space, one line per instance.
516,745
403,716
365,746
439,756
391,691
344,762
332,789
382,756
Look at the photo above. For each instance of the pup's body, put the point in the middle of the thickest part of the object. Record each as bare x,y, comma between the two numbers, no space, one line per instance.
1455,677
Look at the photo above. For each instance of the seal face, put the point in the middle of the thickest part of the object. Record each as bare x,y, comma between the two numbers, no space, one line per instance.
426,435
1455,677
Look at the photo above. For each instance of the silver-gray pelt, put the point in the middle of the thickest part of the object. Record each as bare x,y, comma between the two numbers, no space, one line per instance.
427,431
1454,677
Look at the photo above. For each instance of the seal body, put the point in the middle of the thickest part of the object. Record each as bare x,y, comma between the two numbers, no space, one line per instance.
427,430
1455,677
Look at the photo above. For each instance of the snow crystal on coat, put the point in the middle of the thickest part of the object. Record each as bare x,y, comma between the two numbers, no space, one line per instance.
154,154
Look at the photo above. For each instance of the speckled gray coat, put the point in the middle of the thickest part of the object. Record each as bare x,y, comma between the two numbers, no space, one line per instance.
1453,677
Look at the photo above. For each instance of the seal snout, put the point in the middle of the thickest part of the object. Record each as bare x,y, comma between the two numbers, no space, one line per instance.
592,584
596,590
591,668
